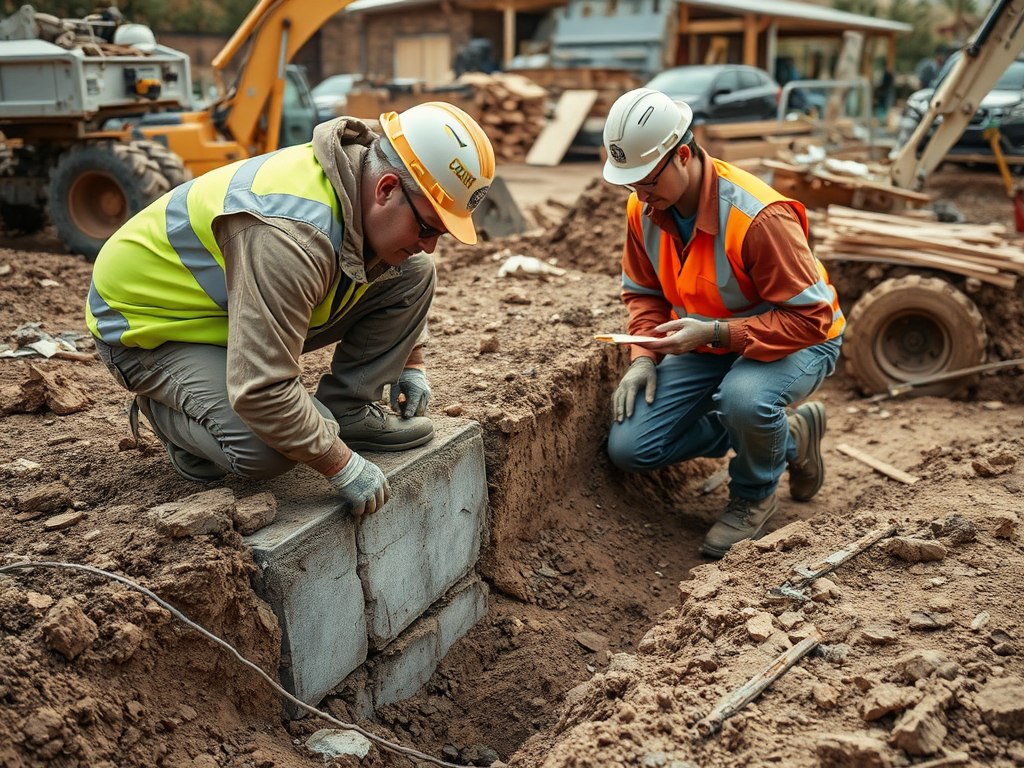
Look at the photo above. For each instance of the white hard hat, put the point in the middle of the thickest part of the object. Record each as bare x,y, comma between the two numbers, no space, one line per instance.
138,36
642,127
450,157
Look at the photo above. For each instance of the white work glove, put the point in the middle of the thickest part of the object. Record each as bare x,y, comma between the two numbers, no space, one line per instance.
362,484
641,374
413,384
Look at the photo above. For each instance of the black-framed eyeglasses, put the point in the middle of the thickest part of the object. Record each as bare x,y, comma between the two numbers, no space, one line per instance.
427,232
653,182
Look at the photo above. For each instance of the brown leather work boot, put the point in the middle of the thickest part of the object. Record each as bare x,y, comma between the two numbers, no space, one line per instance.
807,469
742,519
371,428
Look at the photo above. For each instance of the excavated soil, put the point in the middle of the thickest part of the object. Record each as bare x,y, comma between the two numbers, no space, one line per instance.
599,649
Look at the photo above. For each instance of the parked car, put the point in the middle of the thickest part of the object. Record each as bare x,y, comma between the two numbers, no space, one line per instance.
331,95
721,93
1003,106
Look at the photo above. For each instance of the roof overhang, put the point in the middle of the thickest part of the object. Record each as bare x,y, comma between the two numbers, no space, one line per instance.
796,16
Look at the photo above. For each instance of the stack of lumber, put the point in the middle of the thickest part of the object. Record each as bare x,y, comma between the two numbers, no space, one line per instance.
609,82
512,110
733,142
980,251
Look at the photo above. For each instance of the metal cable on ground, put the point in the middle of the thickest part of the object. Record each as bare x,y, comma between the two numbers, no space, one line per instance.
378,740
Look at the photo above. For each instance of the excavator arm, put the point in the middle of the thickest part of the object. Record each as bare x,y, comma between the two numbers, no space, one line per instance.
268,40
985,58
234,128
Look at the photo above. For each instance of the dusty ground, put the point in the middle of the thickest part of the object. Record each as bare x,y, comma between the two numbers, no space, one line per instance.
597,649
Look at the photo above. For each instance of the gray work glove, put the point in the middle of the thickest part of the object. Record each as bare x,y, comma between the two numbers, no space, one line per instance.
641,374
362,484
413,384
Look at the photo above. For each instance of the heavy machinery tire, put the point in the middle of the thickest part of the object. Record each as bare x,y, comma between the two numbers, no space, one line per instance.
910,328
171,166
97,187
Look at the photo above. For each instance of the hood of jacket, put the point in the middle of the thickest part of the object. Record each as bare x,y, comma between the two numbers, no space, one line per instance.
340,146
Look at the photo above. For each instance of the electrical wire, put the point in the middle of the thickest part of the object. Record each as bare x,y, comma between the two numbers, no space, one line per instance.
381,742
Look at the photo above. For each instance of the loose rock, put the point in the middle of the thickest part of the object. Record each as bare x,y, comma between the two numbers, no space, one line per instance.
67,630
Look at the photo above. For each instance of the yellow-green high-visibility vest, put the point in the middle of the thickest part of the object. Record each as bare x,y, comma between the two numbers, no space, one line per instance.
161,276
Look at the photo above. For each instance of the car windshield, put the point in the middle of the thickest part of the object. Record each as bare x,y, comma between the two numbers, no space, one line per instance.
1012,79
685,80
333,86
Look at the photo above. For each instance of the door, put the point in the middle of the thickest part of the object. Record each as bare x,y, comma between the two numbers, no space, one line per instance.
426,57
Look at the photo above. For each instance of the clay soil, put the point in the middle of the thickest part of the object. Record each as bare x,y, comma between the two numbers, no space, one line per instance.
608,636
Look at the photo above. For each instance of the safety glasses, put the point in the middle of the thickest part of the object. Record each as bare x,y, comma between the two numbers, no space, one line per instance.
426,231
654,181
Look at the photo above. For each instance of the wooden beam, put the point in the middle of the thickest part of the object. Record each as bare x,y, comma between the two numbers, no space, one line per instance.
750,35
713,26
877,464
509,24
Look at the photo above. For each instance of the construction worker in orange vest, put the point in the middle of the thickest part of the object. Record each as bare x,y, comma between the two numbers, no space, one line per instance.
718,267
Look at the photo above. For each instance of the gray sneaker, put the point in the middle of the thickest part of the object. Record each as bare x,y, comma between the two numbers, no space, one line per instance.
371,428
188,465
807,469
742,519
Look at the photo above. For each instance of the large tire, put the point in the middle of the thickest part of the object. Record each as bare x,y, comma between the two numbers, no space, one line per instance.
911,328
171,166
95,188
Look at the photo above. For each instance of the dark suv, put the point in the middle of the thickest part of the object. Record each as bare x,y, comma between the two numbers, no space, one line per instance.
721,93
1003,106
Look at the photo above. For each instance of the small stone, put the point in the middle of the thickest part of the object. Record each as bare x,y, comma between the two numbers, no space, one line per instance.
760,626
201,513
60,522
823,590
886,698
38,601
980,621
332,743
920,664
1002,707
790,619
51,497
848,751
1003,525
592,641
993,405
825,696
254,512
455,409
914,550
928,620
489,344
879,635
21,467
67,630
920,731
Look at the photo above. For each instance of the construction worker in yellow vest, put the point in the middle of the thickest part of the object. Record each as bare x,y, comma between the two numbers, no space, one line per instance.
203,302
717,265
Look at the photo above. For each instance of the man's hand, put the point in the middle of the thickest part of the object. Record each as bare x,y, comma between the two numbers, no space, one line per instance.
413,384
682,336
362,484
642,373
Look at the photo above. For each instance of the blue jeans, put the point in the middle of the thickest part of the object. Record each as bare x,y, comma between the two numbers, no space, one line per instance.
706,404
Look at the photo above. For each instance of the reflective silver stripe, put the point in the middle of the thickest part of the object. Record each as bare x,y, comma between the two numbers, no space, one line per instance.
731,195
819,293
110,324
190,249
652,241
240,197
634,287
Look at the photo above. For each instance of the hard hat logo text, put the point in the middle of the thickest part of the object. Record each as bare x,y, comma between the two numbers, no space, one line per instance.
467,178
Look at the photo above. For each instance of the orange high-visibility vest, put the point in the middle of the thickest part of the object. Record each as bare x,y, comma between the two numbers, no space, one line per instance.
707,280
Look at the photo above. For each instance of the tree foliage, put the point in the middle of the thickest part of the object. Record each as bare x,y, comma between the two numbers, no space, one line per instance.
222,16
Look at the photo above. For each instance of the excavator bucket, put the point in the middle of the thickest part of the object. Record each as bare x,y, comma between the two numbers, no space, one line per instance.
499,214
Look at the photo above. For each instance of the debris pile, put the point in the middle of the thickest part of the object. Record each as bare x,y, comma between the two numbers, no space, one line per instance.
513,111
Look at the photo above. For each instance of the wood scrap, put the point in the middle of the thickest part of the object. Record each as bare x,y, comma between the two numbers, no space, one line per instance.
512,109
754,687
877,464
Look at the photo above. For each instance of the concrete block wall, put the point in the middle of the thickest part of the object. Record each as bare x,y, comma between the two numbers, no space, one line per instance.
343,590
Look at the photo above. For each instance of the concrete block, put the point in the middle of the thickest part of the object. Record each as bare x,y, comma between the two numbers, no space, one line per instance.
405,666
412,552
335,583
308,573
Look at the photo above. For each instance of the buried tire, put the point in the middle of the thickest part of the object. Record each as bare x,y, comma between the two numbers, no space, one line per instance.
911,328
95,188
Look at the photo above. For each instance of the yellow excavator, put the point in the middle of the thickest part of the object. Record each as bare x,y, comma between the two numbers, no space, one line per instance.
245,119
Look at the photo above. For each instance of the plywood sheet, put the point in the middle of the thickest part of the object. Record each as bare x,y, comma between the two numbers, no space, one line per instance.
554,141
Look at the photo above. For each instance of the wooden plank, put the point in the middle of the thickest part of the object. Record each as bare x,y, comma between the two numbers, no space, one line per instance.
556,137
877,464
730,151
757,129
871,256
